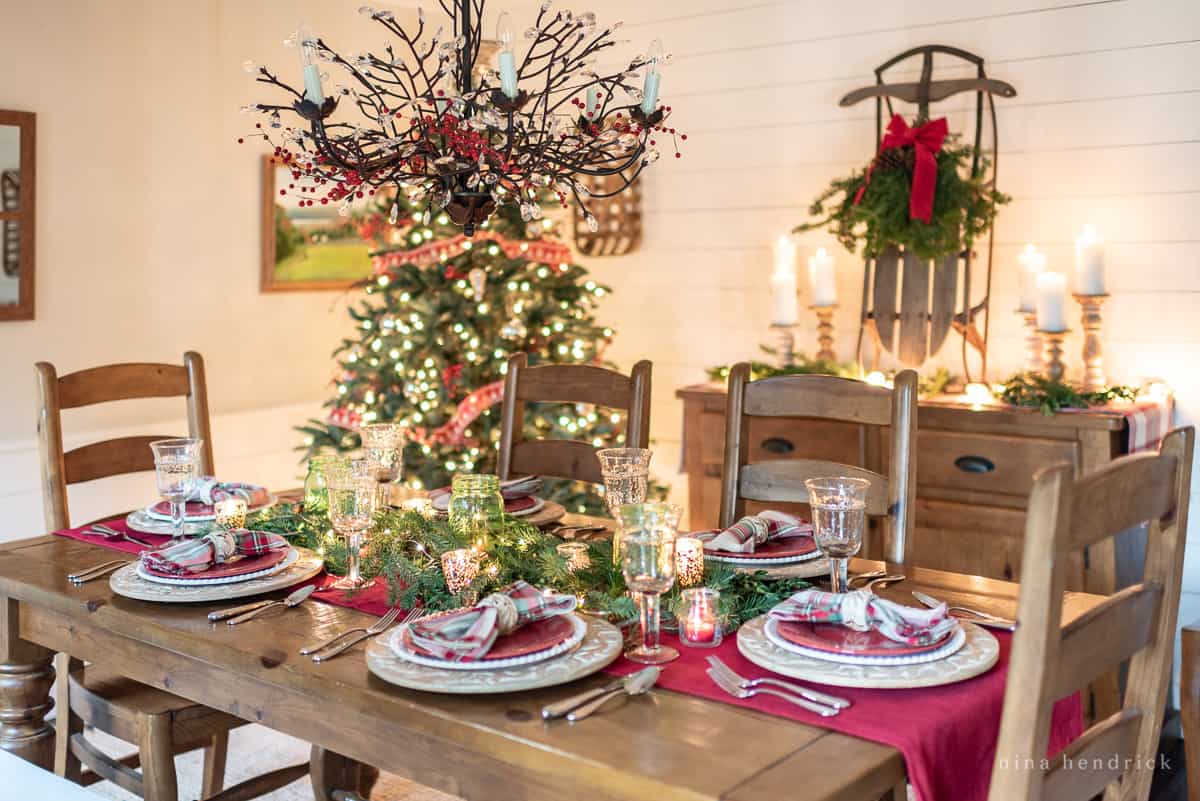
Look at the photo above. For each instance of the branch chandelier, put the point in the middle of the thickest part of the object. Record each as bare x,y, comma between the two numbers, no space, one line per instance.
466,141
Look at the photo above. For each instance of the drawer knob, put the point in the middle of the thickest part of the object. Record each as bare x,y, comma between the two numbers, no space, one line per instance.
974,464
777,445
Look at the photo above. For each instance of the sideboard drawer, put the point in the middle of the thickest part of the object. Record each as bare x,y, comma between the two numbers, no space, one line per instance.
803,438
986,462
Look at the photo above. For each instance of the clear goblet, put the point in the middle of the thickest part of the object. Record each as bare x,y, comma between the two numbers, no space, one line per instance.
176,468
839,507
648,564
626,473
383,448
353,500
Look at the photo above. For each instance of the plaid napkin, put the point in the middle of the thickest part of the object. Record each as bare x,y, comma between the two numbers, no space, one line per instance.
467,635
208,490
198,555
748,533
862,610
510,490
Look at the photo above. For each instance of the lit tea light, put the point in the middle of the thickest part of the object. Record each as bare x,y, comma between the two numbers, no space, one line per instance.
978,395
700,624
689,561
576,554
231,513
460,567
421,506
877,379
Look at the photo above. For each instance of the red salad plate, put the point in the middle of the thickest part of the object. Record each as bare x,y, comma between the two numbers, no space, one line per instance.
236,567
832,638
774,549
529,639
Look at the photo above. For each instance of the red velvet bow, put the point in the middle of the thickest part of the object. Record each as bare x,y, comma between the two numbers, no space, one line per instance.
926,140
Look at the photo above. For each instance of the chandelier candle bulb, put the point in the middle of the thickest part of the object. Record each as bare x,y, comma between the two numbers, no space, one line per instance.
506,61
230,513
592,107
786,309
312,70
689,561
1089,262
1052,302
650,87
1033,264
822,279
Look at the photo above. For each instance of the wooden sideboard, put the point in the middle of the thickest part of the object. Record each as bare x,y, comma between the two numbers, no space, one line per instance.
975,468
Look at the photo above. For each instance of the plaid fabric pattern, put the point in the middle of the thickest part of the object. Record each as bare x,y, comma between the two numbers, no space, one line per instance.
863,610
1149,421
198,555
209,490
510,490
469,634
750,532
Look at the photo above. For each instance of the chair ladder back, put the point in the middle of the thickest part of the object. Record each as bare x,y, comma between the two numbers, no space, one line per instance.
568,383
827,397
120,455
1050,660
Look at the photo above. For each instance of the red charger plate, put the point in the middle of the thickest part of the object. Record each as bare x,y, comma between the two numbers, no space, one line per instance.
774,549
526,640
833,638
239,567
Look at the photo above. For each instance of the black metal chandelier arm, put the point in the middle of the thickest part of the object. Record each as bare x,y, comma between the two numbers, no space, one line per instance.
267,77
599,172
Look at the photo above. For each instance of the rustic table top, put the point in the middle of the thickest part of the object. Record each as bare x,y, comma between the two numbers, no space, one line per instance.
660,747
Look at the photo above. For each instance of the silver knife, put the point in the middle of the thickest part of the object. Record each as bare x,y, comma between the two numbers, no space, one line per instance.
977,617
561,708
295,599
221,614
634,684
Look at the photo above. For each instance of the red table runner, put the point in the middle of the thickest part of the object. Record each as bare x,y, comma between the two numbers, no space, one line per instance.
947,734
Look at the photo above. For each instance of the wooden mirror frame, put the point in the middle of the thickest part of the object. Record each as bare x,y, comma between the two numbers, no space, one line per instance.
26,215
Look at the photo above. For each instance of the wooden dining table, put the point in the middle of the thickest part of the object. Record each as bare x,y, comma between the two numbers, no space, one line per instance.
663,746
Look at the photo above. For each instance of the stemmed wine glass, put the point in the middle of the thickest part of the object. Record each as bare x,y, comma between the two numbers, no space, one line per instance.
648,564
383,448
626,474
353,499
839,507
176,468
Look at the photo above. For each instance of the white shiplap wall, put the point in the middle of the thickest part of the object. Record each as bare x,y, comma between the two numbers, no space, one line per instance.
1105,129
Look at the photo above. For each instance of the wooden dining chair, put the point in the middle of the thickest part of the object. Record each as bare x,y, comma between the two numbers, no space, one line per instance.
568,383
1049,661
1189,707
890,498
159,723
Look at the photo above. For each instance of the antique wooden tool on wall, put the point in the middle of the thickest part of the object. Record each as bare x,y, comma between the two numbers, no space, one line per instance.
910,304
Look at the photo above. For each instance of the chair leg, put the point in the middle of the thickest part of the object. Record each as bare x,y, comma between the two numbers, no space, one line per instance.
67,723
214,765
330,772
157,750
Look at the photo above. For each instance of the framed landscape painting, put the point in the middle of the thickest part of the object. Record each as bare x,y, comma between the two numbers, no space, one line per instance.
309,248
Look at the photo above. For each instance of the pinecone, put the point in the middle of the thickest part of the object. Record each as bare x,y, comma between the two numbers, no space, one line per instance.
895,159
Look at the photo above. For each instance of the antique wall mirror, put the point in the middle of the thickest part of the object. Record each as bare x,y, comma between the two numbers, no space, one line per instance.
18,132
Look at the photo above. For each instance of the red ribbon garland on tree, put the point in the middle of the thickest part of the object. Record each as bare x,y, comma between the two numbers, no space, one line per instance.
926,140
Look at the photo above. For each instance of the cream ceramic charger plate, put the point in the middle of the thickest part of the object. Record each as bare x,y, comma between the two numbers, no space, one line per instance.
601,645
128,583
976,656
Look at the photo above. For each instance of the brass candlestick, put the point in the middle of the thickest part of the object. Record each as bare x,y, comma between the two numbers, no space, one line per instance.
785,343
825,333
1033,342
1052,363
1093,349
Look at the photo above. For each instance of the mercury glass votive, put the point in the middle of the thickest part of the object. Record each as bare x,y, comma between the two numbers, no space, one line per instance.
700,622
576,554
460,567
230,513
689,561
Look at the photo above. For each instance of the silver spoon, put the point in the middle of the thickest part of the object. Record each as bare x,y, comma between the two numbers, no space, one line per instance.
112,534
635,684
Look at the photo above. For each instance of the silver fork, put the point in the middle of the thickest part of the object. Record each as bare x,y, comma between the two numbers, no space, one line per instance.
112,534
741,692
750,684
378,627
312,649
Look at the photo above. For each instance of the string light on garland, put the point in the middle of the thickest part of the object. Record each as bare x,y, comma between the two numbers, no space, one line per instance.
464,146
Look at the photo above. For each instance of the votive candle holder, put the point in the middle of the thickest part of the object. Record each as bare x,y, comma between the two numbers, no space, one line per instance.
230,513
460,567
576,554
689,561
700,621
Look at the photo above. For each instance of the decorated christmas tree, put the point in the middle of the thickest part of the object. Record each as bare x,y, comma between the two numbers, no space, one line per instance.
435,328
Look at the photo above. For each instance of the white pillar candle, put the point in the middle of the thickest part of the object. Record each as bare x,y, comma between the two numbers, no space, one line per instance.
1052,302
1033,263
783,283
822,279
1089,262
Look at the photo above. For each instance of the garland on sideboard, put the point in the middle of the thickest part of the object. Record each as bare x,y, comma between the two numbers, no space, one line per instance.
1038,392
406,547
933,384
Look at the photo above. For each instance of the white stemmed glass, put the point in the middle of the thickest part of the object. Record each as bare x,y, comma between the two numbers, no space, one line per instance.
383,448
176,468
353,499
648,564
839,507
